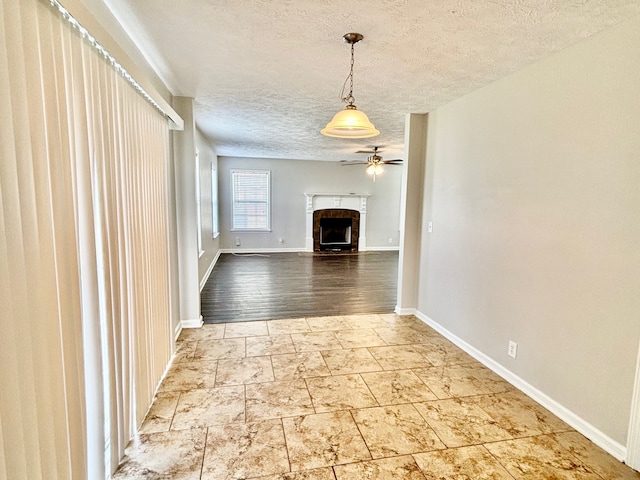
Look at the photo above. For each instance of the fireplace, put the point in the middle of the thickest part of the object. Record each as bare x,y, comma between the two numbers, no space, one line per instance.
336,229
351,206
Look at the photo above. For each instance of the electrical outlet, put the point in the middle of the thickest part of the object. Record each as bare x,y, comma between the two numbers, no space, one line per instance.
430,227
237,241
513,349
281,241
390,239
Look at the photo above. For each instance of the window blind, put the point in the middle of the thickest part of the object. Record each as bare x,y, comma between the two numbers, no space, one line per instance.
251,200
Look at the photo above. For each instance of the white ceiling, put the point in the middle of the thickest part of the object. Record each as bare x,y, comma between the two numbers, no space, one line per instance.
267,74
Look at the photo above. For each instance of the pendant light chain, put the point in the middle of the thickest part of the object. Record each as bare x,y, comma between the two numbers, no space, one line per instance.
349,99
351,38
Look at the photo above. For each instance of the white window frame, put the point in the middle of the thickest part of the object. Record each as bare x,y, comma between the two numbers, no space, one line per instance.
215,218
198,205
235,173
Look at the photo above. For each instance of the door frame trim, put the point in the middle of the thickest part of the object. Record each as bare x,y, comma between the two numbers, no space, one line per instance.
633,437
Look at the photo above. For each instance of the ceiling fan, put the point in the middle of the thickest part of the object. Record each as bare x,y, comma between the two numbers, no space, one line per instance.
374,161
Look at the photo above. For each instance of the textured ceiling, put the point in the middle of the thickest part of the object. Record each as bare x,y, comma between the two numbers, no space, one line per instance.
267,74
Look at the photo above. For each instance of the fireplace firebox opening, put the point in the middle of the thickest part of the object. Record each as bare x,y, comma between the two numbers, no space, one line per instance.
335,232
336,229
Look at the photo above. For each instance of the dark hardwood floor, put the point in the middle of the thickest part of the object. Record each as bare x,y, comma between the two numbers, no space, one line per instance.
292,285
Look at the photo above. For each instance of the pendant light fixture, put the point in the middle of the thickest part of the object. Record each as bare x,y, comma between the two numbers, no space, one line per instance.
350,122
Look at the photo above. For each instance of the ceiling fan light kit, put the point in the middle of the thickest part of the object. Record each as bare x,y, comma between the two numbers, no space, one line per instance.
375,169
374,162
350,122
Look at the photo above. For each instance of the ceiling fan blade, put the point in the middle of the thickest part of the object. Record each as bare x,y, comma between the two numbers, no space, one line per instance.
379,147
395,161
366,151
345,163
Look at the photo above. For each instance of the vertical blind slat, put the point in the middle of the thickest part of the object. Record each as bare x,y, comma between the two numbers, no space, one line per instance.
84,212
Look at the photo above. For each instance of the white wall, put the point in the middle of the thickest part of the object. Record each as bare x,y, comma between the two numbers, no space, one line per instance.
412,191
112,24
533,187
184,143
291,179
210,245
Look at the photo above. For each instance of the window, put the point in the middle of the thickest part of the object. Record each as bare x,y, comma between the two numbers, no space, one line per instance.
215,227
251,200
198,205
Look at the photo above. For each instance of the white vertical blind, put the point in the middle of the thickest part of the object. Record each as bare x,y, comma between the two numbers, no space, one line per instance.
251,199
84,202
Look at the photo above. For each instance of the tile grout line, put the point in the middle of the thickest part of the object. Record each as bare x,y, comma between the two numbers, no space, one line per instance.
313,404
430,426
175,410
361,435
286,444
369,389
204,452
498,460
246,417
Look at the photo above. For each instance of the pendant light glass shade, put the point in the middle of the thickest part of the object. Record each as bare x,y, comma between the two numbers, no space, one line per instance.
350,123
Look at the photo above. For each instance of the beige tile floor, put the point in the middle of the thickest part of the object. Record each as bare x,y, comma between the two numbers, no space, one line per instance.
348,398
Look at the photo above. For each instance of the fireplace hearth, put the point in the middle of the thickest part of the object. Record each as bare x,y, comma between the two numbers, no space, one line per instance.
335,229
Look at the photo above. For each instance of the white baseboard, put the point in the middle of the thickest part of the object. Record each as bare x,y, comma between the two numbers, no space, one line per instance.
203,282
176,331
261,250
633,442
605,442
293,250
406,311
193,323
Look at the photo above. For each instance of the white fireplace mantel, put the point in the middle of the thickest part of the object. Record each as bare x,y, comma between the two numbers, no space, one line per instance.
351,201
